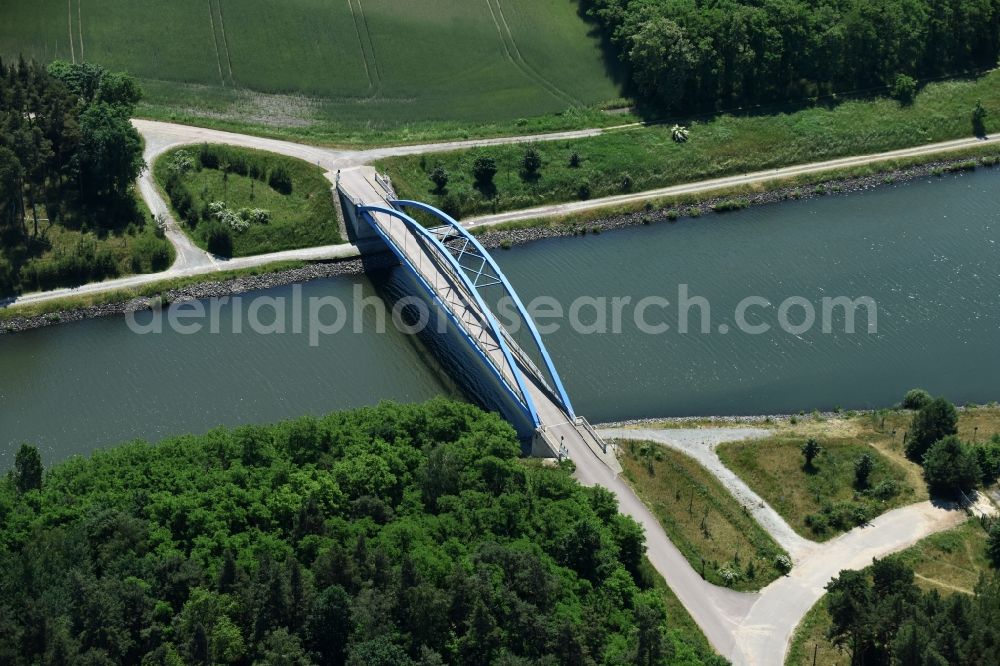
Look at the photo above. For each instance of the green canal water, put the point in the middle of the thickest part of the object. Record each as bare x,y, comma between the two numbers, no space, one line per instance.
927,253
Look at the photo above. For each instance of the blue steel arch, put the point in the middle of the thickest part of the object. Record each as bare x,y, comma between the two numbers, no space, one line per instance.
525,398
451,222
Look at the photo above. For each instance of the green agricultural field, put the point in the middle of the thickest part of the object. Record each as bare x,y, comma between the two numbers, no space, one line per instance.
701,517
305,216
358,64
643,158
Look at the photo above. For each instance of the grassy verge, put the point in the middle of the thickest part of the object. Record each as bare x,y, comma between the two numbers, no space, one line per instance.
17,311
301,214
646,157
331,131
949,562
822,501
701,517
825,183
685,630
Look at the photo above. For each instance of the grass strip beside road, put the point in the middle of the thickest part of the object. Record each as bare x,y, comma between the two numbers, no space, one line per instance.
818,183
646,158
705,522
16,311
819,502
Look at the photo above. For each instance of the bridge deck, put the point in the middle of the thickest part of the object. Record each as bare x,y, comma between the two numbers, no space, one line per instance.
563,435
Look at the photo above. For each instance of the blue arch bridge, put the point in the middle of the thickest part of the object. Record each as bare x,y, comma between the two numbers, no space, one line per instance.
458,275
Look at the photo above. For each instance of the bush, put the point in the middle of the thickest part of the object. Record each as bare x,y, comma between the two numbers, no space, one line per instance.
583,191
783,563
950,468
219,239
626,183
979,115
440,178
531,162
280,180
916,399
575,160
728,205
159,258
993,544
484,169
885,490
904,89
935,421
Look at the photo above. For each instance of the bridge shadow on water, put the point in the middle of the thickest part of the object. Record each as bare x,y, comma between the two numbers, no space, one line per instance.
440,343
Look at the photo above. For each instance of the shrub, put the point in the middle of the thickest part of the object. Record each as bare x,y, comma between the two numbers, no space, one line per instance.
219,240
904,89
484,169
208,157
863,468
993,544
181,163
575,160
916,399
280,180
583,190
979,115
626,183
729,205
679,133
159,258
935,421
531,162
783,563
885,490
950,468
729,576
440,178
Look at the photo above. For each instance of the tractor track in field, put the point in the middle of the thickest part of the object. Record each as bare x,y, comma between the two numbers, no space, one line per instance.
215,41
513,54
79,26
371,44
69,25
373,87
225,43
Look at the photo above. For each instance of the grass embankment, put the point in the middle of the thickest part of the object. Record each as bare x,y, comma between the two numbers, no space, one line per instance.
716,535
821,183
647,158
17,311
826,496
949,562
300,215
822,501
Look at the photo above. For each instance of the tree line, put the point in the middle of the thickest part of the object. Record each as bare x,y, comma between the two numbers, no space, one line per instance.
68,156
707,55
880,617
396,535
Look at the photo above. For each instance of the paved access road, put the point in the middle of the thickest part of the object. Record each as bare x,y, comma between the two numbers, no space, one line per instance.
192,260
754,629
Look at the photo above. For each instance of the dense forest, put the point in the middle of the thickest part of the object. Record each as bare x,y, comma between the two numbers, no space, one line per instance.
881,617
704,55
386,536
68,160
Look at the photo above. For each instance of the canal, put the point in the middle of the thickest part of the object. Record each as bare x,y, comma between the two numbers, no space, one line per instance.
924,253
